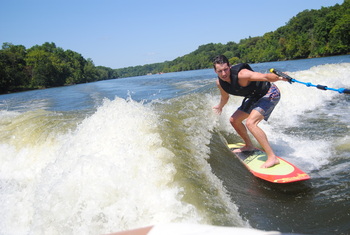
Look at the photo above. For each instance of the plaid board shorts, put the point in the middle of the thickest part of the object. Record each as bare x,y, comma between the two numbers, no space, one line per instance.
264,105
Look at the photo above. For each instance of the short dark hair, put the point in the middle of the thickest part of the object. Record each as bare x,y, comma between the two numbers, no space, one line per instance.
220,59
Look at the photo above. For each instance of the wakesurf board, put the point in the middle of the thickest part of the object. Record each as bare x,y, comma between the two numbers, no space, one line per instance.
285,172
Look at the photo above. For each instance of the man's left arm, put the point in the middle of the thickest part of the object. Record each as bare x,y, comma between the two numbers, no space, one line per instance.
251,76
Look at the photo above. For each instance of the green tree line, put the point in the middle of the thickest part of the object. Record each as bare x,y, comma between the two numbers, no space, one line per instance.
311,33
46,66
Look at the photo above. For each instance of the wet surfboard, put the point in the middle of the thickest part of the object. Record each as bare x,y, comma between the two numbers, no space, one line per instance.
285,172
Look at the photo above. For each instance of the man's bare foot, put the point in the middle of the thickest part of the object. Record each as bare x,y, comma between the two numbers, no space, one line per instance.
244,149
270,162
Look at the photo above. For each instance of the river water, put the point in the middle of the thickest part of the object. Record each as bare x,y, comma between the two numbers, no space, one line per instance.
120,154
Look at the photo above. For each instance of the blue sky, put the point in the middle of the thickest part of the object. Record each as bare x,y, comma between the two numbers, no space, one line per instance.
121,33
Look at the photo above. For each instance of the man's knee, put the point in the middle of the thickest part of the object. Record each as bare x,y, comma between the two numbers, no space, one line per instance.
250,124
253,121
236,119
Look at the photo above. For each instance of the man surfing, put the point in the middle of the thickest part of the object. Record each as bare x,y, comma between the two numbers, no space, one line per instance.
261,97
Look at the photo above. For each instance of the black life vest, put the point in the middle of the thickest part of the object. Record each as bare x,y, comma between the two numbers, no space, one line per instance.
254,89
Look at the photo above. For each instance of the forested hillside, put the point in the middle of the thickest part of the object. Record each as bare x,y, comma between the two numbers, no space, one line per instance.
311,33
45,66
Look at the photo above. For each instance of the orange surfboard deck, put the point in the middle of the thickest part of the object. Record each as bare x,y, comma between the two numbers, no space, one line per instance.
285,172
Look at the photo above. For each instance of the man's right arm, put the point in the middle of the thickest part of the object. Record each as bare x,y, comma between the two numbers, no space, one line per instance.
223,99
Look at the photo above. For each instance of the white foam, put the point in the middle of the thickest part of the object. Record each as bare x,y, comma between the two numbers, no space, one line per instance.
111,173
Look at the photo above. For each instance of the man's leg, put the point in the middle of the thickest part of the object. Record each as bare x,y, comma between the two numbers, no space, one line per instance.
252,124
236,121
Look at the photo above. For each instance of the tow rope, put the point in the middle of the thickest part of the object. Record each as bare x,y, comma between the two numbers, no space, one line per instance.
309,84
